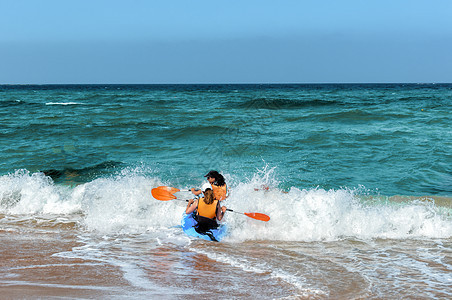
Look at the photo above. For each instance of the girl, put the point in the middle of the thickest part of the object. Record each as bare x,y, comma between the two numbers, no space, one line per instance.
208,211
218,185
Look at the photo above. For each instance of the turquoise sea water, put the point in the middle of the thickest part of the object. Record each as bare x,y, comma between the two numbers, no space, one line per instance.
386,138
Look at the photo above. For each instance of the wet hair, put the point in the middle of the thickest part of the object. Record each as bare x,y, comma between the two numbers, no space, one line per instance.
219,179
208,196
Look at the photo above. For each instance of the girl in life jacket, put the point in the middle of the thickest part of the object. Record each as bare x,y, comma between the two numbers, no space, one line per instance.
218,185
208,211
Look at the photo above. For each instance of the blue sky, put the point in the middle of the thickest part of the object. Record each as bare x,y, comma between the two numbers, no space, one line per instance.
231,41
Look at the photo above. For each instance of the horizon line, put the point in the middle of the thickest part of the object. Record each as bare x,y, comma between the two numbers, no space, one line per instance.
230,83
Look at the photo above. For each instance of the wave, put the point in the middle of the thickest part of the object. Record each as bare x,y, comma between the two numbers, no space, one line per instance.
64,103
201,130
18,103
9,103
281,103
81,175
122,203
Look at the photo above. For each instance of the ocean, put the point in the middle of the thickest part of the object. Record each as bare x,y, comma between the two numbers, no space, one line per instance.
356,178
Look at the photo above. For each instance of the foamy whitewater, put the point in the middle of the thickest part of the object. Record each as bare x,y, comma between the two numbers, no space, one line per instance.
123,204
356,180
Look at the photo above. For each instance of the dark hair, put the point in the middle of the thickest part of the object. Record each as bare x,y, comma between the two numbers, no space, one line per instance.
219,179
208,196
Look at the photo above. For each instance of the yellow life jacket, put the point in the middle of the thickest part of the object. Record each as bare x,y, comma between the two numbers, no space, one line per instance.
207,210
219,192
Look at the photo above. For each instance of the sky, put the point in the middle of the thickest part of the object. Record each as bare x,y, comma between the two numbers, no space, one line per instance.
209,41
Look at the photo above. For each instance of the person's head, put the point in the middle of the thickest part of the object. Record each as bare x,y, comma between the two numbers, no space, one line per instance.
215,178
208,196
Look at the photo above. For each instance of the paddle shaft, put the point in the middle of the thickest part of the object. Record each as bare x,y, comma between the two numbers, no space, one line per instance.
227,209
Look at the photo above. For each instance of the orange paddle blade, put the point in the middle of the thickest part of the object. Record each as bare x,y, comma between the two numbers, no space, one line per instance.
169,189
258,216
162,194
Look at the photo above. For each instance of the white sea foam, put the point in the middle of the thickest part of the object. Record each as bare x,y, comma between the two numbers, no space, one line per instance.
56,285
25,193
260,267
317,214
130,265
123,204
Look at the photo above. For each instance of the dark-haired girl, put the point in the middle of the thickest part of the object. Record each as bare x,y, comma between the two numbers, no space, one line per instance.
217,184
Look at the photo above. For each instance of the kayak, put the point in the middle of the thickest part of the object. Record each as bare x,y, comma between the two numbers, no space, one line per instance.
188,225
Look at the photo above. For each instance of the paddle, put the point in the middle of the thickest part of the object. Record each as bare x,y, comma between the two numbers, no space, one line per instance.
257,216
161,194
165,193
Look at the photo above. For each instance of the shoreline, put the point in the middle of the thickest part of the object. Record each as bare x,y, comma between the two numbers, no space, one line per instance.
30,268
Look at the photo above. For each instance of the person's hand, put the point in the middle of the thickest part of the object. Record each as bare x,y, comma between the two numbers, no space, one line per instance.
223,209
190,202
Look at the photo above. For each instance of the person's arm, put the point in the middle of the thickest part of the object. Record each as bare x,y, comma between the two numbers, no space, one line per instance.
196,192
220,211
191,206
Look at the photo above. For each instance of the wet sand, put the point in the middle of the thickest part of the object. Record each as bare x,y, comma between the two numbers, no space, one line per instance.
38,263
29,269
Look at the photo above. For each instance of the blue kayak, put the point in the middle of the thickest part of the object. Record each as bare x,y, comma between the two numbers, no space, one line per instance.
188,225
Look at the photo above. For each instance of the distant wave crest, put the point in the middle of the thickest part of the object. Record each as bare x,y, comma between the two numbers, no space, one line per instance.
281,103
64,103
